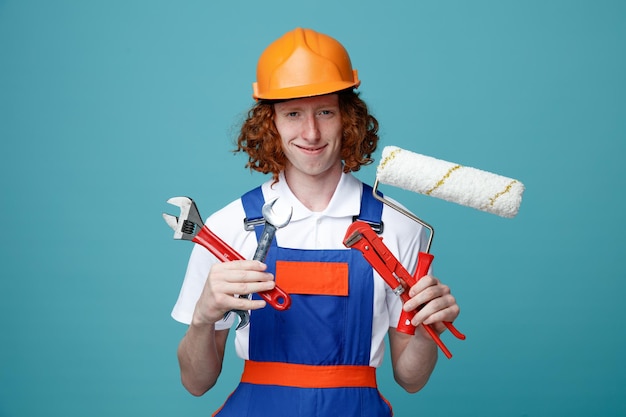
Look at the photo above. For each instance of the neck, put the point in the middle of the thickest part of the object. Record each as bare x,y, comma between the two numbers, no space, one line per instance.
314,192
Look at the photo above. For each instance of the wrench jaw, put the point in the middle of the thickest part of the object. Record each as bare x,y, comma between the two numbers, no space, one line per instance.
352,238
362,237
244,317
172,222
276,219
244,320
272,221
188,224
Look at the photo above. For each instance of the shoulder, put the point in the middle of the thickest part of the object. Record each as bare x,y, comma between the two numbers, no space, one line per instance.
227,216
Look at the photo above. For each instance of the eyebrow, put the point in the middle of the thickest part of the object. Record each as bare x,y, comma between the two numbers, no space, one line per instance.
297,107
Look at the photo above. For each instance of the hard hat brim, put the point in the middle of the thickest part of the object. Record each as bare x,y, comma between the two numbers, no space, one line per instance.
304,91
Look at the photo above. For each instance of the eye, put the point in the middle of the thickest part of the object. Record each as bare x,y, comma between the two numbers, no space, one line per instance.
326,113
291,114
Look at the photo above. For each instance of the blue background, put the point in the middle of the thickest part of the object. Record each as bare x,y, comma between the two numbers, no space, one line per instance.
107,109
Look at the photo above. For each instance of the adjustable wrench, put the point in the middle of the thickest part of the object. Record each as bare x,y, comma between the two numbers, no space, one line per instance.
189,226
361,236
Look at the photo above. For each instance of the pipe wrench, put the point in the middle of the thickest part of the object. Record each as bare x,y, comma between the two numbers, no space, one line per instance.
189,226
361,236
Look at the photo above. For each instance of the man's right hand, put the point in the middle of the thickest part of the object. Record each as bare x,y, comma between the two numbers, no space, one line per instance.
224,281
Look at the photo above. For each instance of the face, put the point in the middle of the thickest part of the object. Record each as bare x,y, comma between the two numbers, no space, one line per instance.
311,131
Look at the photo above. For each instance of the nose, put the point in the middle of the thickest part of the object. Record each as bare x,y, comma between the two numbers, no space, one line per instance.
310,128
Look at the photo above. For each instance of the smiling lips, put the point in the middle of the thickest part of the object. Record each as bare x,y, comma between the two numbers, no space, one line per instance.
311,150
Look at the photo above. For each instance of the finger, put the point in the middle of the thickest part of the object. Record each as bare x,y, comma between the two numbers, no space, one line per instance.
447,315
425,295
243,303
249,287
237,275
238,267
438,310
243,264
423,283
238,278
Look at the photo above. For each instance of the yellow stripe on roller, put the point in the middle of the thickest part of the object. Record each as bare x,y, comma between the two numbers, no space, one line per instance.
443,179
389,157
493,199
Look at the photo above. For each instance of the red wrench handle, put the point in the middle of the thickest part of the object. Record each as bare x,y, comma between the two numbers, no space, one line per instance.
424,260
275,297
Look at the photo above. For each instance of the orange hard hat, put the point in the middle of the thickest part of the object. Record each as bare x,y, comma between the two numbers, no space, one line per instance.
303,63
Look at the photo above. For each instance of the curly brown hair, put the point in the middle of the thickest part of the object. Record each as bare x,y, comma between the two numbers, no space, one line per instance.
260,139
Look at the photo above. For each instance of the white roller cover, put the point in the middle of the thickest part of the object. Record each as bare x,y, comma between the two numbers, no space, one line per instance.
448,181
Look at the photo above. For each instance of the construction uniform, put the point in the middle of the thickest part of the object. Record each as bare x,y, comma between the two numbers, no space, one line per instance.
319,357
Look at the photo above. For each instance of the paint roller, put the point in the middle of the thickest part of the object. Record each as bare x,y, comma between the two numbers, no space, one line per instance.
452,182
449,181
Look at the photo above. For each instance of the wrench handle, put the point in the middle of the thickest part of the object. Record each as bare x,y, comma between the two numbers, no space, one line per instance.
276,297
424,261
265,241
216,246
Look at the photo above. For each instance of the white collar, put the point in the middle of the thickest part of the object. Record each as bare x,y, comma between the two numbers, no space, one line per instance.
346,200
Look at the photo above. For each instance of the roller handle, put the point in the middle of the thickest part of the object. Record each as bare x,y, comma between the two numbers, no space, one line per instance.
424,260
275,297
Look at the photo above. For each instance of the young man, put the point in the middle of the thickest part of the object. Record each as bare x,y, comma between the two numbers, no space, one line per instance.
309,129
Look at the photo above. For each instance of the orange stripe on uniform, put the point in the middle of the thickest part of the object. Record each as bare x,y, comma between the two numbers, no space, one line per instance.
308,376
315,278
